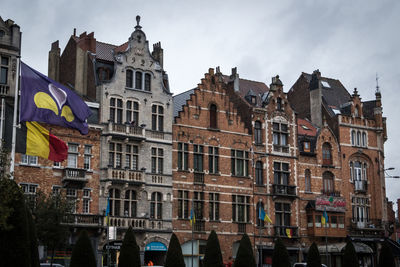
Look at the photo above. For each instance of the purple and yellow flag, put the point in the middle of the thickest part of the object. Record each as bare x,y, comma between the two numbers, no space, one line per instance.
45,100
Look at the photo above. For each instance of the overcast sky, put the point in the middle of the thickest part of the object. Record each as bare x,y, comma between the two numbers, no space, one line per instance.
346,40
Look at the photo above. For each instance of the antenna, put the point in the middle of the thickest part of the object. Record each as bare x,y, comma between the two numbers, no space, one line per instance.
377,84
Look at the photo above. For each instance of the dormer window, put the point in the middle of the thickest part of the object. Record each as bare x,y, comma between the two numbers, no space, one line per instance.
279,103
253,100
306,146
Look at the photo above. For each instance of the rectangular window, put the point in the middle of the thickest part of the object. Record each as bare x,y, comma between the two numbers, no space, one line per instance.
198,158
361,210
4,70
72,155
280,137
198,205
214,206
318,220
29,160
239,162
132,112
281,173
213,159
131,157
157,118
115,155
157,160
282,214
71,197
240,208
56,190
306,147
87,157
183,156
183,204
30,193
86,201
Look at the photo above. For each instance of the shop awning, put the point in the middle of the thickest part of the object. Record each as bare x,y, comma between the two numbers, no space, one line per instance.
339,248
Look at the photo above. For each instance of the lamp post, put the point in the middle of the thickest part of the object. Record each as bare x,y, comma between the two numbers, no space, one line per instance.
388,175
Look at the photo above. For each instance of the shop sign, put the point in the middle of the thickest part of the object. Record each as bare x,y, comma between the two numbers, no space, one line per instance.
329,203
156,246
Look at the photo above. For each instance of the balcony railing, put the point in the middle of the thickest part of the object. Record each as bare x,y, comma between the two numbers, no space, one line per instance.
129,176
127,130
282,231
199,226
284,190
4,90
371,224
124,222
74,175
84,220
331,193
198,178
241,228
360,186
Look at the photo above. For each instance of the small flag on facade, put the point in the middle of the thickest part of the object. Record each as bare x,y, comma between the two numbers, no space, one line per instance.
108,211
324,218
262,215
289,232
192,217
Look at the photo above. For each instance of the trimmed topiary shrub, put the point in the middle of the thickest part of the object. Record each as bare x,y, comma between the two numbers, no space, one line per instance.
280,257
82,253
313,258
244,256
350,258
174,253
130,252
213,256
386,258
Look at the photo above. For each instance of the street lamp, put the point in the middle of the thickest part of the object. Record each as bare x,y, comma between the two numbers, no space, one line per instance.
388,175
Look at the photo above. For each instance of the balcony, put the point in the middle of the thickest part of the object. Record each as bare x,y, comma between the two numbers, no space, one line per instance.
331,193
122,131
84,220
198,178
125,176
151,134
4,90
199,226
241,228
124,222
280,231
74,175
372,227
284,190
360,186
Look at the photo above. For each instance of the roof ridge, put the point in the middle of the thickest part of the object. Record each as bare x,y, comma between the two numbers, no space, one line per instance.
107,43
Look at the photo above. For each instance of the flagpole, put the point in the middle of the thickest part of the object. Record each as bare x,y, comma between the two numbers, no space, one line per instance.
14,132
326,237
192,230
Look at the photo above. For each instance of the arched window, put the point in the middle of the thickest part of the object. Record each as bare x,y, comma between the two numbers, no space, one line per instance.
259,173
359,175
351,171
213,116
156,206
326,154
130,203
364,139
328,183
147,82
257,133
129,78
307,180
115,202
358,138
260,208
353,137
138,80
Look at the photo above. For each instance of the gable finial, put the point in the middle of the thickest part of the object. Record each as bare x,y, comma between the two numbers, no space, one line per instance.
138,27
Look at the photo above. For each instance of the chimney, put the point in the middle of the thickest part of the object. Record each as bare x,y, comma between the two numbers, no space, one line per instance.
276,84
54,62
158,54
235,78
315,89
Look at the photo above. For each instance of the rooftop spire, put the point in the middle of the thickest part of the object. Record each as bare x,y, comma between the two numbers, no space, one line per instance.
377,84
138,27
